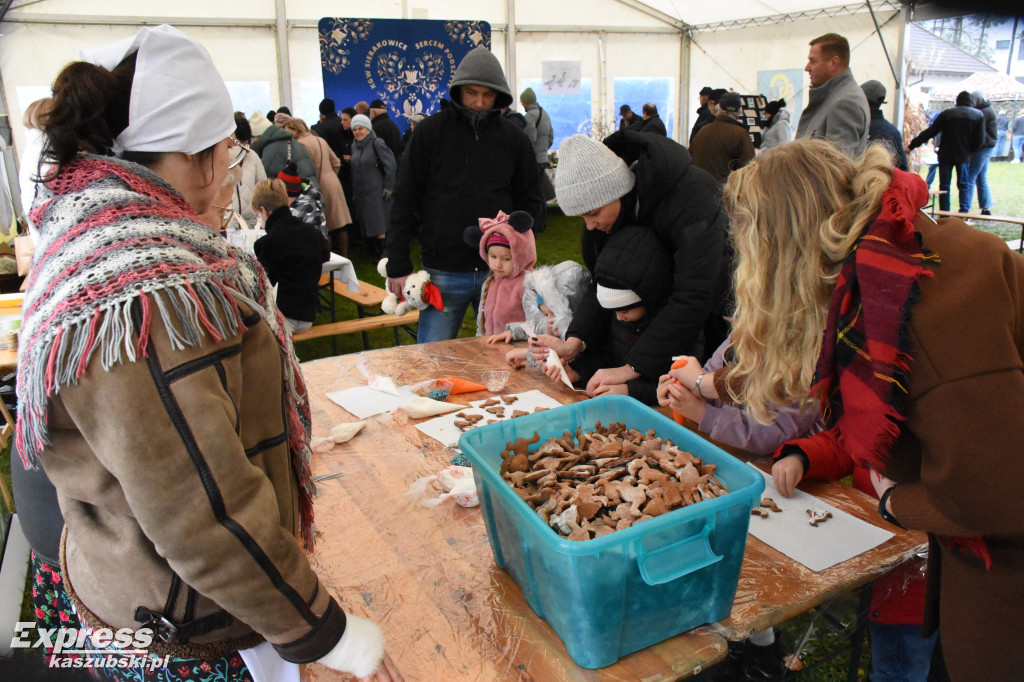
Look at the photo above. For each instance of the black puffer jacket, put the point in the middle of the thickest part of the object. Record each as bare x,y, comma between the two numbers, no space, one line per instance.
634,259
679,203
461,165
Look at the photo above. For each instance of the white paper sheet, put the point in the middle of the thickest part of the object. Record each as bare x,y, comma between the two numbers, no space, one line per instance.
818,547
443,429
363,401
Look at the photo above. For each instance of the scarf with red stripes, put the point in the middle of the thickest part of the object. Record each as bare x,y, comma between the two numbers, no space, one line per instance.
114,235
863,371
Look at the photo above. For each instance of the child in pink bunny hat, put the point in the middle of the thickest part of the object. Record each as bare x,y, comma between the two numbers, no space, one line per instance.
507,245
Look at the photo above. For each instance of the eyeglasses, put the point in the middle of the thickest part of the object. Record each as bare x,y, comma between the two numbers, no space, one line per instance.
239,150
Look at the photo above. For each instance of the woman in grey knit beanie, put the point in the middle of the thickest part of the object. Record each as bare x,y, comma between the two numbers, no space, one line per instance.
589,177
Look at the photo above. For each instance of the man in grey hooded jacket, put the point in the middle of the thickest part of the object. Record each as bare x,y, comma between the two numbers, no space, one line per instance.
542,135
836,109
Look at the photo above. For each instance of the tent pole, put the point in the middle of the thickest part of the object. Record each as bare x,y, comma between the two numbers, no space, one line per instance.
602,98
878,31
510,49
683,118
284,69
898,101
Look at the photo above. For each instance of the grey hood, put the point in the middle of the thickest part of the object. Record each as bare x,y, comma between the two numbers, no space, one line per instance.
480,67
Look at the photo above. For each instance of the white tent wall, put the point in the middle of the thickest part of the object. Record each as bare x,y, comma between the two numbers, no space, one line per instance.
257,43
731,59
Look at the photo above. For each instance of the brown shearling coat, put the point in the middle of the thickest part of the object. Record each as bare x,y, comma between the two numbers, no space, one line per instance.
178,494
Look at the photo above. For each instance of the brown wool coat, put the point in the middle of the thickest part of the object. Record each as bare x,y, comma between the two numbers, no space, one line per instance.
958,460
177,465
721,147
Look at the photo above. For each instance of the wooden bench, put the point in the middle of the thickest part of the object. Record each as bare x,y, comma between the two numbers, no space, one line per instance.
991,218
367,300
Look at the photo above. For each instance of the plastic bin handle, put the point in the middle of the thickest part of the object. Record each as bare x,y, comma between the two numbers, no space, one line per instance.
677,559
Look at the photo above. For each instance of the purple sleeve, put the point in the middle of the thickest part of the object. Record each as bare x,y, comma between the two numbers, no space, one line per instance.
732,425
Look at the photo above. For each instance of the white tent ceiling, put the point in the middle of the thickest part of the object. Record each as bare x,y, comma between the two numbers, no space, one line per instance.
705,14
272,45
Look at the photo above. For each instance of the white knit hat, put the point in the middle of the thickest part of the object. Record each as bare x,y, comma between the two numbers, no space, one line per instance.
589,175
179,103
617,299
362,121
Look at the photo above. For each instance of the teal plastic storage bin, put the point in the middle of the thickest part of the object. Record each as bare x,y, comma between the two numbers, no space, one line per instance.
611,596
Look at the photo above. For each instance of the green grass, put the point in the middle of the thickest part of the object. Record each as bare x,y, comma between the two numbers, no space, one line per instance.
1005,180
559,242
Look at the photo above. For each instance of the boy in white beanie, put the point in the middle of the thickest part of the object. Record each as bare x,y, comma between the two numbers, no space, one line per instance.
646,180
633,277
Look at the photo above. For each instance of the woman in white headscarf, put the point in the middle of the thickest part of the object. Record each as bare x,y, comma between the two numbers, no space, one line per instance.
159,385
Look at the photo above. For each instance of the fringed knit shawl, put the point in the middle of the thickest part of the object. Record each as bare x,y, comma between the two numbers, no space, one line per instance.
113,234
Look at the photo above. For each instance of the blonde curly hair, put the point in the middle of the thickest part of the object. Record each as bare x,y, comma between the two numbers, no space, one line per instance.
796,214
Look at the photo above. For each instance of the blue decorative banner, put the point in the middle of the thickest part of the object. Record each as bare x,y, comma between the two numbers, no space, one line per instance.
408,63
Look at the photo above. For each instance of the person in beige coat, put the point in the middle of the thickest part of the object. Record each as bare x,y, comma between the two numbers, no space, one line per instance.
327,164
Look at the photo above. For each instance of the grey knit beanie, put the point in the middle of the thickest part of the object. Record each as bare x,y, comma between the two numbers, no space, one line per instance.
589,175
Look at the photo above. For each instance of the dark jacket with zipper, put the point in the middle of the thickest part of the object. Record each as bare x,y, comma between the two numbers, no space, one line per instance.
635,260
461,165
292,252
681,204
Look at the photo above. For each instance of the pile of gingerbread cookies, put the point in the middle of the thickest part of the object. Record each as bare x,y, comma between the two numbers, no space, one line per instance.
587,485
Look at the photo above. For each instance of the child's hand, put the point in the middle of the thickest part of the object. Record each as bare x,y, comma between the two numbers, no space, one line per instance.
672,394
688,373
610,376
555,375
516,357
542,343
504,337
611,389
786,473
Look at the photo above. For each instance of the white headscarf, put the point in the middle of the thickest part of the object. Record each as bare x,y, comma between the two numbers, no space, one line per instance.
179,102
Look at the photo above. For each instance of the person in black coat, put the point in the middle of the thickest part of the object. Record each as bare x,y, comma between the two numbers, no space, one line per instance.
881,130
680,204
291,253
633,280
978,175
329,128
385,128
653,122
712,110
963,132
463,163
629,121
704,115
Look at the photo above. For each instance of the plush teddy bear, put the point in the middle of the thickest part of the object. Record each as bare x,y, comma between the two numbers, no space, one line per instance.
419,292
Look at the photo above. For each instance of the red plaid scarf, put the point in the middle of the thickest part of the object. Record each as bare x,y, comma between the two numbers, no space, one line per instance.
863,369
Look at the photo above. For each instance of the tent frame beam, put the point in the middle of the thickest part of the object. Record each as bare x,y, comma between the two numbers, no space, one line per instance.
644,8
794,16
